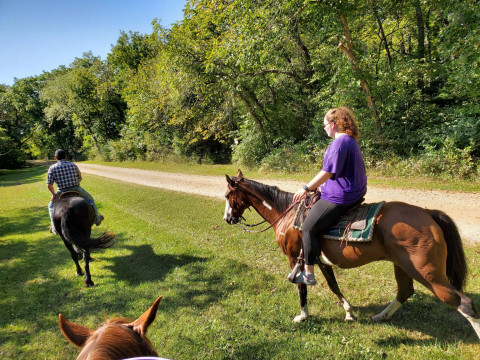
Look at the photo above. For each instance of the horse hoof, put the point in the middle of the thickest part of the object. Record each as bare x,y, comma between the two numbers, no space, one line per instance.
350,318
89,283
299,318
79,273
377,318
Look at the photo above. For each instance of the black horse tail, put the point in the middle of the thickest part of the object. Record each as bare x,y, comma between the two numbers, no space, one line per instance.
76,227
105,241
456,264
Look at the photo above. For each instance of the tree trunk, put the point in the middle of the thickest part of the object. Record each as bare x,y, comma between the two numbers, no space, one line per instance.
382,33
348,51
420,39
255,116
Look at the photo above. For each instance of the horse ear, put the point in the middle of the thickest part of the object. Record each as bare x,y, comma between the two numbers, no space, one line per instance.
230,181
76,334
239,174
140,326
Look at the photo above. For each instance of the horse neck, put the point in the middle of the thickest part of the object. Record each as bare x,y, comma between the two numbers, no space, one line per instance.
268,201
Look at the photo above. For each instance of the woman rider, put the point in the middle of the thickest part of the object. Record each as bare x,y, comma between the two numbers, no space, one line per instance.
343,182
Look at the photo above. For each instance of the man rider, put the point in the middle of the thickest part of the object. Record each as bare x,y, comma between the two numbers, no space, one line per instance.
67,176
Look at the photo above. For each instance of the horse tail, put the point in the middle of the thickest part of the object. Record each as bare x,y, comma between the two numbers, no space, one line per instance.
105,241
76,227
456,263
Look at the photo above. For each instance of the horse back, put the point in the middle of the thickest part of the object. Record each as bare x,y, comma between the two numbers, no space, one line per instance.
399,226
73,217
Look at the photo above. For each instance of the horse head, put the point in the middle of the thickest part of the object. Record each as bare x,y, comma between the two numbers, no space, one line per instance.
115,339
236,199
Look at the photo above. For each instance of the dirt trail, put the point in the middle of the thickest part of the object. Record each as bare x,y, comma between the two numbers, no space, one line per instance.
464,208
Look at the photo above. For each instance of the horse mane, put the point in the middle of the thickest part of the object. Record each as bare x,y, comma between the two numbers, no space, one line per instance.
115,340
279,199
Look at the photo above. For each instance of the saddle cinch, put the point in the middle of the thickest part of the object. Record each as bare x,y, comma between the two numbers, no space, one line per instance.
355,225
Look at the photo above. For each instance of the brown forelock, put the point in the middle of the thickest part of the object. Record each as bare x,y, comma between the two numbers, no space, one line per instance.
113,340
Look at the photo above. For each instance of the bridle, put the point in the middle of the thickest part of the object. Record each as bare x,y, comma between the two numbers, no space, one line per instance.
233,190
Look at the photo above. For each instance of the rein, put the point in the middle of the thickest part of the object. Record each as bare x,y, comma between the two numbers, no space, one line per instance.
243,226
268,227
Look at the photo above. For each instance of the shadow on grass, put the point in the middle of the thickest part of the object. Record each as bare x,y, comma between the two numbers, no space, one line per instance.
34,219
143,265
195,284
21,176
422,313
28,283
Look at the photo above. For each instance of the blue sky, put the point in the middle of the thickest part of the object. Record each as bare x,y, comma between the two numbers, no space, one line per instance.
40,35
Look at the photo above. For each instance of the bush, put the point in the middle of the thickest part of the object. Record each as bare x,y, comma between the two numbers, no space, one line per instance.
289,158
14,159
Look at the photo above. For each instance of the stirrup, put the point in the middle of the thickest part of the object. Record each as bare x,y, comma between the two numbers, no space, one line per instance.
299,267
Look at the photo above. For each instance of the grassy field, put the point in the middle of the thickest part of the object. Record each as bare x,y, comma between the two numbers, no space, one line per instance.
225,291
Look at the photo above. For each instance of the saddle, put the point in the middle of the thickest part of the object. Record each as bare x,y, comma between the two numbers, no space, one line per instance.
355,225
66,194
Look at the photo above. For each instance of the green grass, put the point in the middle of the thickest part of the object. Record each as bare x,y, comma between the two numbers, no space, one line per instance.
374,178
225,291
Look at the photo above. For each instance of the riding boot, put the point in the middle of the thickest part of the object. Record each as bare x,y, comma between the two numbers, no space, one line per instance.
299,267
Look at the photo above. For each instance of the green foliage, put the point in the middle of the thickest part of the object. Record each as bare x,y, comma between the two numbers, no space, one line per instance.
251,81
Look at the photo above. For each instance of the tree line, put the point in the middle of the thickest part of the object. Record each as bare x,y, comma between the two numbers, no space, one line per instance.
250,81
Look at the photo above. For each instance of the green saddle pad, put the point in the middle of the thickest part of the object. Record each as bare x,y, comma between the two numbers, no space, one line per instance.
356,225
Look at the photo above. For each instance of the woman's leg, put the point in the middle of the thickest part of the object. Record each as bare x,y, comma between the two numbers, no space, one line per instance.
321,216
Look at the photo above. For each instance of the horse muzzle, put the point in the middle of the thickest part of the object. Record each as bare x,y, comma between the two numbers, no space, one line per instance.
232,220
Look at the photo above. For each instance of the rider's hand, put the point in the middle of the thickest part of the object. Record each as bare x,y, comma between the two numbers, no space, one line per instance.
299,195
52,198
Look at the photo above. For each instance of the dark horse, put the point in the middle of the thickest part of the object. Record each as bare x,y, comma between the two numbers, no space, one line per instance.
73,218
115,339
422,244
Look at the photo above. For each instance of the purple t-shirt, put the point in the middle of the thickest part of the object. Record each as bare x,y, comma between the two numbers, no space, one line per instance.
344,160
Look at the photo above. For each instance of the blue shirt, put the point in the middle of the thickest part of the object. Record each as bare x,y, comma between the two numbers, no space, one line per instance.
344,160
65,174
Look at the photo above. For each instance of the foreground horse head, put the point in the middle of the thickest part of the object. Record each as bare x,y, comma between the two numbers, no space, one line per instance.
422,244
115,339
73,219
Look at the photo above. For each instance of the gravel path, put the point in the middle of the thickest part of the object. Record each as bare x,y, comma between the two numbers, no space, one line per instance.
463,208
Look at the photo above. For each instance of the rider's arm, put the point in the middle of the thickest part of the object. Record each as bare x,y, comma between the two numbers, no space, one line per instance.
318,180
78,174
51,189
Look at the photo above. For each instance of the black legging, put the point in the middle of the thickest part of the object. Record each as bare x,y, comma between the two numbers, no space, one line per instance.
321,216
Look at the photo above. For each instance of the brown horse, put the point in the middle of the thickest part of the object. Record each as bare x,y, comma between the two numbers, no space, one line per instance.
115,339
422,244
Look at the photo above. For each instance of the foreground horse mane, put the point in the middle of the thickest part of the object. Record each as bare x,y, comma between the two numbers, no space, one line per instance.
118,338
280,199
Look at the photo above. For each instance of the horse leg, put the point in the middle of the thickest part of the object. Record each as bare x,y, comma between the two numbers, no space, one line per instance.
88,278
302,294
464,305
74,256
404,291
435,279
329,275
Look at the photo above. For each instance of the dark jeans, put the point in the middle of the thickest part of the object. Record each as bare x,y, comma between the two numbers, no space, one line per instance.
321,216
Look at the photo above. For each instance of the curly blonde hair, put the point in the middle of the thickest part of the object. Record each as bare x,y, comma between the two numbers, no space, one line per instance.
345,120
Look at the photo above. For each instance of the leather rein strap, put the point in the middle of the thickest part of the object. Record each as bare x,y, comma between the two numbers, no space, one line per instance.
233,189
